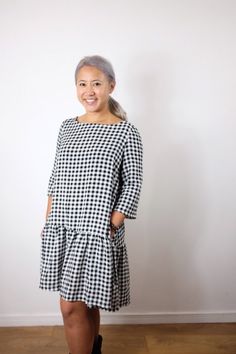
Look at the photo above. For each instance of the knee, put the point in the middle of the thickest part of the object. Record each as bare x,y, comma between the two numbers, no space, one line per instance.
70,309
67,309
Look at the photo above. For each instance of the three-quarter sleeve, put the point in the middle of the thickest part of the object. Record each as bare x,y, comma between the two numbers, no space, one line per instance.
51,182
131,176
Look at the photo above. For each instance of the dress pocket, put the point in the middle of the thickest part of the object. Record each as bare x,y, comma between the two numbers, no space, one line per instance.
119,236
44,229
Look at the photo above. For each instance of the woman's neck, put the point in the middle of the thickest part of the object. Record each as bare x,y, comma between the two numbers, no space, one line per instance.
99,117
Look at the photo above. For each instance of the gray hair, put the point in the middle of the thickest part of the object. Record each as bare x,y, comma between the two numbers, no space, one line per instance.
105,66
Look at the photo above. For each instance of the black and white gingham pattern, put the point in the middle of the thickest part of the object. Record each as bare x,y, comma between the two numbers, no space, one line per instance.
85,267
97,169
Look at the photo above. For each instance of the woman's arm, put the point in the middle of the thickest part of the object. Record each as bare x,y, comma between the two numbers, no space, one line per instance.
49,206
131,176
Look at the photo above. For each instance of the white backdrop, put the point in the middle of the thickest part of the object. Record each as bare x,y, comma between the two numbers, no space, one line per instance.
175,67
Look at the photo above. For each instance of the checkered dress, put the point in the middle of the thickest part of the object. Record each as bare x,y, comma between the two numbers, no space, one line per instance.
98,168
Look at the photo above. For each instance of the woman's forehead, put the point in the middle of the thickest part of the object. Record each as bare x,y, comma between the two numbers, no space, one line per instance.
88,73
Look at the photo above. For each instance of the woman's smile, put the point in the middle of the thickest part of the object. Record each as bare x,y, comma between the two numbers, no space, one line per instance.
90,100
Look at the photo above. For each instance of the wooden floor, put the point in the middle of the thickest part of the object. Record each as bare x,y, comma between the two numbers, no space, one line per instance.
214,338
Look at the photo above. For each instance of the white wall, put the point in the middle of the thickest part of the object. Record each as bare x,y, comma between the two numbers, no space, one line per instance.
175,67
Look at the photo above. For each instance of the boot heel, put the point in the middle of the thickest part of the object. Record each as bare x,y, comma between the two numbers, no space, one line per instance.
97,345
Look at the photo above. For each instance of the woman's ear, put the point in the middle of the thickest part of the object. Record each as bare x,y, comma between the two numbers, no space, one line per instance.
112,86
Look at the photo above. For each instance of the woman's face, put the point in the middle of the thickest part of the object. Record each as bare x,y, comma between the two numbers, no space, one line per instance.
93,89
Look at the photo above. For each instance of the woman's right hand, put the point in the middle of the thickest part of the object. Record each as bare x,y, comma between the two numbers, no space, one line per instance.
41,234
49,209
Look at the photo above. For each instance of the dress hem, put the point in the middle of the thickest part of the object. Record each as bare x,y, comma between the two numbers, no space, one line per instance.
89,304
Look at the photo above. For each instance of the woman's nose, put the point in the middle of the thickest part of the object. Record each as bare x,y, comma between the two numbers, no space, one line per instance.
90,89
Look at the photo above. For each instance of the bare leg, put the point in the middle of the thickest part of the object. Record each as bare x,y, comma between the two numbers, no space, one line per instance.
78,325
95,314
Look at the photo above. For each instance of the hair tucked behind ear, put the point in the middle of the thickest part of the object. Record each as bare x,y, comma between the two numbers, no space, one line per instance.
105,66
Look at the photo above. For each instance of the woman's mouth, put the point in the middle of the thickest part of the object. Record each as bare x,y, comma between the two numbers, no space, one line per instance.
90,101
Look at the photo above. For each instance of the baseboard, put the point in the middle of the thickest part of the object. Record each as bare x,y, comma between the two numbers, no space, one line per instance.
122,318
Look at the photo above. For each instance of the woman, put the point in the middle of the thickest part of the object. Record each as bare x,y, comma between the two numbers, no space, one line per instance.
95,184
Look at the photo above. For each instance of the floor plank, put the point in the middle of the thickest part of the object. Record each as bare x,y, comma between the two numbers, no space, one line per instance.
213,338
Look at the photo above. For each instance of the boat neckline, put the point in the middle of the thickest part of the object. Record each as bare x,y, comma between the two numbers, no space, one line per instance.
91,123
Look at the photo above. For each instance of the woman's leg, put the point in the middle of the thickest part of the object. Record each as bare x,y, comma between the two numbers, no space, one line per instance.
78,325
95,315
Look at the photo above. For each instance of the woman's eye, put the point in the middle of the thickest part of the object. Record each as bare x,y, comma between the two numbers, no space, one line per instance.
97,84
81,84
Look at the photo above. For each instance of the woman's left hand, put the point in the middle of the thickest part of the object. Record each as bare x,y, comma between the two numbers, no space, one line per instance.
117,218
112,233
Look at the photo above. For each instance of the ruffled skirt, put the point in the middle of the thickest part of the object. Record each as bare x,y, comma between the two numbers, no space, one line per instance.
85,267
